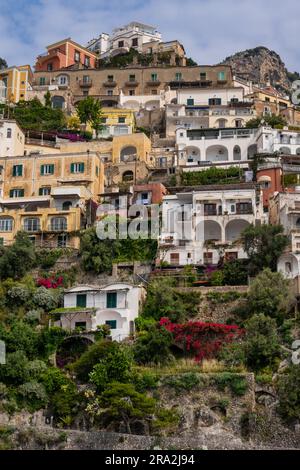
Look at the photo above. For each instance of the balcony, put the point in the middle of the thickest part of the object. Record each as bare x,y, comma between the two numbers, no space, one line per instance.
132,83
85,83
176,84
32,228
58,227
153,83
110,84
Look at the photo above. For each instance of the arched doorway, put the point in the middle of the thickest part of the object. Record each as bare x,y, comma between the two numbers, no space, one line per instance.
217,153
128,153
237,153
234,229
127,176
58,102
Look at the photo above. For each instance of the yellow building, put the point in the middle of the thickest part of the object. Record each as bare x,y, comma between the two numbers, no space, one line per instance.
51,197
15,83
132,147
117,122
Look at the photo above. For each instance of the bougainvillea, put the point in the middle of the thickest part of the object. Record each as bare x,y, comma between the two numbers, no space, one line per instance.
50,282
203,340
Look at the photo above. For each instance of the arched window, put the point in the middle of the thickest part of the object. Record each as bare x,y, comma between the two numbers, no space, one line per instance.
128,153
8,133
6,224
32,224
58,224
66,205
58,102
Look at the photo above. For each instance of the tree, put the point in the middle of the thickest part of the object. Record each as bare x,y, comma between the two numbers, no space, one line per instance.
264,244
95,353
153,346
32,115
235,273
270,294
3,64
261,346
274,121
73,123
18,258
89,112
288,389
115,367
47,97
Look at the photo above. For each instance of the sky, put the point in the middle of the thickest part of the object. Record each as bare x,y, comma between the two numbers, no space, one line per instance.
210,30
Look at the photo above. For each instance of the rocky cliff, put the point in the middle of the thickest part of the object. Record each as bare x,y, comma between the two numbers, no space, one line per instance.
261,65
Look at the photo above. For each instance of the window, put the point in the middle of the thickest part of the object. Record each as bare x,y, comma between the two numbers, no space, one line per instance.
135,42
86,61
81,300
231,256
16,193
42,81
215,101
110,78
110,92
121,44
8,133
58,223
50,67
190,102
132,78
112,324
6,224
154,77
121,120
244,208
234,100
267,100
131,92
17,170
45,191
104,120
174,258
208,258
111,300
47,169
221,76
85,92
77,167
178,76
77,56
153,92
86,79
210,209
203,76
32,224
62,80
62,240
66,205
81,325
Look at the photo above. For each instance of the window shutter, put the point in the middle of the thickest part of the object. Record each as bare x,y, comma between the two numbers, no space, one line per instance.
11,193
52,169
81,167
20,170
21,193
72,167
14,170
42,169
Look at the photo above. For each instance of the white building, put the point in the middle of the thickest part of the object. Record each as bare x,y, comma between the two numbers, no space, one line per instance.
132,35
12,139
200,147
276,140
205,223
148,102
285,210
116,305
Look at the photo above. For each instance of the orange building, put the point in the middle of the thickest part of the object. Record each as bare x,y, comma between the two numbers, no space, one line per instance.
63,54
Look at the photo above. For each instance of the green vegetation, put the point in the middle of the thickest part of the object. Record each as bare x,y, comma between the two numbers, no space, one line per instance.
89,112
277,122
3,63
264,244
288,388
212,176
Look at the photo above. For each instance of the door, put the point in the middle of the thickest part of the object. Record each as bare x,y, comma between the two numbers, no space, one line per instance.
111,300
81,300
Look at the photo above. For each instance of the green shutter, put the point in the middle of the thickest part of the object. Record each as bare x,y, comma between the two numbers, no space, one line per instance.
111,300
52,169
21,170
21,193
72,167
14,170
112,324
42,169
81,300
11,193
81,167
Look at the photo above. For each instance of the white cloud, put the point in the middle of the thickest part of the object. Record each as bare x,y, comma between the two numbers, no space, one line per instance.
209,29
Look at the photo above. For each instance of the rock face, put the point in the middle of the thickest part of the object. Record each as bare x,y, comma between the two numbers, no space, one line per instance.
261,65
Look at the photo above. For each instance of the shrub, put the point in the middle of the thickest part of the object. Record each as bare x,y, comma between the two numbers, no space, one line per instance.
217,278
48,258
181,382
288,389
153,346
94,354
34,394
14,372
18,258
45,299
35,369
145,381
235,273
261,345
115,367
236,382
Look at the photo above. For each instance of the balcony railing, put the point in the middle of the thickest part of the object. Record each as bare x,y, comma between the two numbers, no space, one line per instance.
132,83
58,226
85,83
31,228
153,83
110,84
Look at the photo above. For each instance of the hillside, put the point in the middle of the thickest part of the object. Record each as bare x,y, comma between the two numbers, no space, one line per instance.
261,65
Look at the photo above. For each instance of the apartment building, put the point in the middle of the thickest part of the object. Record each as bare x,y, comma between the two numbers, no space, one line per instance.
12,138
283,141
50,196
116,122
15,83
116,305
106,84
203,147
64,54
204,224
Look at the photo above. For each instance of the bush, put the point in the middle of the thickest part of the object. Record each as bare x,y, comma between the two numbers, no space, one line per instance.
236,382
18,258
145,381
94,354
14,372
288,389
35,369
217,278
261,345
153,346
46,299
235,273
33,394
181,382
48,258
115,367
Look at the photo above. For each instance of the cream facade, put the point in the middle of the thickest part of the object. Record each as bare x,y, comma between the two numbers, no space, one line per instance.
12,139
